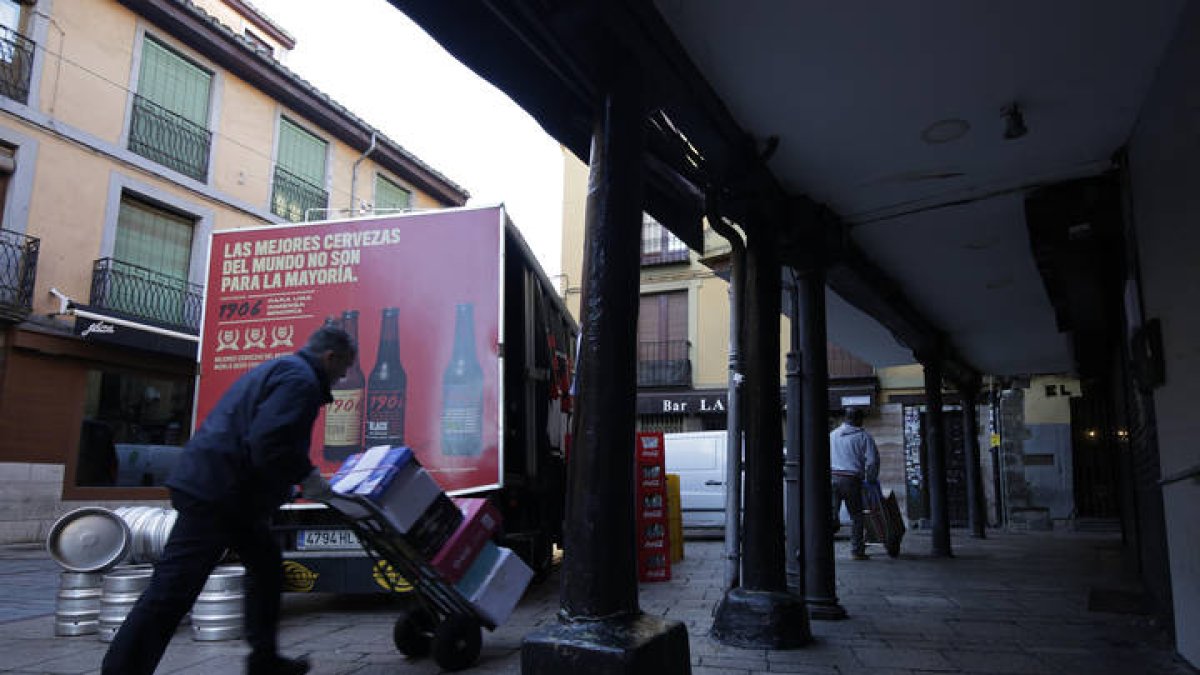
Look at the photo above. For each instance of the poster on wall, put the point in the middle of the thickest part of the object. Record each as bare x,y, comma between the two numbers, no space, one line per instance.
420,293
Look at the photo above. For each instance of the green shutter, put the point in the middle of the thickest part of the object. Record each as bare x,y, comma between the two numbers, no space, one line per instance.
172,82
388,195
153,238
301,153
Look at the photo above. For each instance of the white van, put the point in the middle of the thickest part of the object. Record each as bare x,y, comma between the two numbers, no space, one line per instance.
698,457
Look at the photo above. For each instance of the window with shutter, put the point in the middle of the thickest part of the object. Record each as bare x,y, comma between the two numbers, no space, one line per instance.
16,51
299,174
147,275
389,196
659,246
169,123
663,348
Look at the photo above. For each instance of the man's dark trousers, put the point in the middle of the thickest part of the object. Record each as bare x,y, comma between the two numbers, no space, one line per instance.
202,533
848,488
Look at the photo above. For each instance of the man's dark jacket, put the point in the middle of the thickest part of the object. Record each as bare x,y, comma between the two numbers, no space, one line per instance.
253,447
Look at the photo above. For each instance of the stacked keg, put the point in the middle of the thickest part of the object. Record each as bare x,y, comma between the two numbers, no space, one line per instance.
96,593
149,527
86,543
218,613
121,589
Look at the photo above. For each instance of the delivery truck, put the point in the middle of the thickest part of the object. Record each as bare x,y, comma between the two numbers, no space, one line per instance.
465,357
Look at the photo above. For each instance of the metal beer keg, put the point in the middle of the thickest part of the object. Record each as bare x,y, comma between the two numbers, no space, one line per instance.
120,591
77,607
218,613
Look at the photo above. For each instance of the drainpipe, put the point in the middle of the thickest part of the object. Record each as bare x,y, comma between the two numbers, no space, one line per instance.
733,442
354,171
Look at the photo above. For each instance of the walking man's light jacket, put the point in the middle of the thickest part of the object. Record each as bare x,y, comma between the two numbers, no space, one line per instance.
853,451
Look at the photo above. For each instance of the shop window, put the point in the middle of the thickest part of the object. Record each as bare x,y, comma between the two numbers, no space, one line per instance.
134,427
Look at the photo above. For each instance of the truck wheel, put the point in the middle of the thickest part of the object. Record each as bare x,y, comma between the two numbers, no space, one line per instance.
411,635
456,642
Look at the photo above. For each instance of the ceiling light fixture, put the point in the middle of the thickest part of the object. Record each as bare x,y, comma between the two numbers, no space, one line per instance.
1014,122
944,131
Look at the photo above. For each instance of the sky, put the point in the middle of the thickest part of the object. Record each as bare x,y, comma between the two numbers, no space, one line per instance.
370,58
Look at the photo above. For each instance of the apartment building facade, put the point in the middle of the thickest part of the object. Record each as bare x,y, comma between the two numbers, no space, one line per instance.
129,131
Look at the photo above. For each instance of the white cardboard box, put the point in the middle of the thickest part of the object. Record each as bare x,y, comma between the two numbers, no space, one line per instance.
495,583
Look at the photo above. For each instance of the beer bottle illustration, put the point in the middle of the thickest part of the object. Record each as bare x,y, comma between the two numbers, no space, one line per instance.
343,418
387,388
462,390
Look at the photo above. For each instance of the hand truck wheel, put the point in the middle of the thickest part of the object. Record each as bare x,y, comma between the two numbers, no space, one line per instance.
411,633
456,642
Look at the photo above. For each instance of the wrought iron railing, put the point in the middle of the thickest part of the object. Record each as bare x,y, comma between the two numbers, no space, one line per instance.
664,363
18,269
145,294
292,197
169,139
16,64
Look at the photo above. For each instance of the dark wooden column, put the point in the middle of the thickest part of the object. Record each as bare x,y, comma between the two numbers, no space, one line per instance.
761,613
935,440
975,506
820,581
793,494
601,628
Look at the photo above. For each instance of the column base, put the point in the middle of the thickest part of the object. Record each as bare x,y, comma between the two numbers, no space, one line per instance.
635,645
826,610
761,620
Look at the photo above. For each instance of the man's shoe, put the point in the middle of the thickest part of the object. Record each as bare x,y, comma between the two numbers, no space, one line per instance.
277,665
859,556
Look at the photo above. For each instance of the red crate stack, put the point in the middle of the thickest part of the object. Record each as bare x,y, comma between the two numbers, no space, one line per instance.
654,546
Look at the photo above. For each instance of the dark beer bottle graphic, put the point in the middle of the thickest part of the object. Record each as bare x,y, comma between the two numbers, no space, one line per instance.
343,418
462,390
387,388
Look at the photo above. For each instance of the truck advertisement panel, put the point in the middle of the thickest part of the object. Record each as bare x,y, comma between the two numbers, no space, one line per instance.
421,294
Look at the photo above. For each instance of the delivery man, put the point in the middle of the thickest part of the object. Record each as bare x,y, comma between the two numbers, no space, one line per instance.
242,463
853,458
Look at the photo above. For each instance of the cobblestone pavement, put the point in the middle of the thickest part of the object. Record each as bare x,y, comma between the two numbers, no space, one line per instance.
1013,603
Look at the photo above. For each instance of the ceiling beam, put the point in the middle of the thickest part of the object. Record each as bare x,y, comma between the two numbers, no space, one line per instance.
551,57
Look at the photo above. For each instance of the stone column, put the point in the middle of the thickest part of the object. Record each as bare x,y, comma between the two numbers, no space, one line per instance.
601,630
793,505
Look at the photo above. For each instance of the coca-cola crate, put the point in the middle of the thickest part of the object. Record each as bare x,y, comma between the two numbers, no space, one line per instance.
654,565
651,477
651,447
651,506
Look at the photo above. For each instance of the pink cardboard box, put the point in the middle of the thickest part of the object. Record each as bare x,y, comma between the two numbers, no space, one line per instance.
480,522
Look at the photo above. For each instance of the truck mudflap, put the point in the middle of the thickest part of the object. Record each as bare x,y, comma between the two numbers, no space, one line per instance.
324,573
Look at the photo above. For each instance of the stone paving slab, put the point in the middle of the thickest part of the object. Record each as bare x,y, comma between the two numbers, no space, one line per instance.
1013,604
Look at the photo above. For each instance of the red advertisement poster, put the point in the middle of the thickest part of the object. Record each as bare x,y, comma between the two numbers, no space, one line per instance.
420,291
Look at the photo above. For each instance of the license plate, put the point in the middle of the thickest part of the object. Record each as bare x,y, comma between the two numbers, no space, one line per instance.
310,540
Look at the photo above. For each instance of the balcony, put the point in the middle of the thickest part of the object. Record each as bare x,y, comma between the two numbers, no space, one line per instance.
292,197
169,139
18,269
143,294
664,363
16,64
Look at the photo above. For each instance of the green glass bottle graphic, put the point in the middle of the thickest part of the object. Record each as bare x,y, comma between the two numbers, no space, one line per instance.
462,390
387,388
343,417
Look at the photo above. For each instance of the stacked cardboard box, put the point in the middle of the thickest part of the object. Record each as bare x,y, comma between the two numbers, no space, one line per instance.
454,535
408,496
654,551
